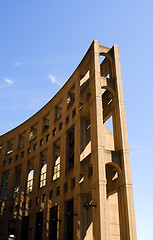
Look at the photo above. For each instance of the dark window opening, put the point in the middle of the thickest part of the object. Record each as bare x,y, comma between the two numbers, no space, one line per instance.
4,185
58,110
46,122
53,223
25,228
38,226
21,141
43,170
70,96
33,132
9,147
70,149
16,189
69,214
57,160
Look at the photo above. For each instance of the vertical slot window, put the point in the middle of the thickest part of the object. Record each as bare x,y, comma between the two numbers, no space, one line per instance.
4,185
57,160
43,170
58,110
70,222
9,147
33,132
46,122
21,141
53,224
70,148
85,139
38,226
71,96
30,176
16,189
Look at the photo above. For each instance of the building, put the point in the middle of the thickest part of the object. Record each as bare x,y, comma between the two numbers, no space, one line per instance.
64,175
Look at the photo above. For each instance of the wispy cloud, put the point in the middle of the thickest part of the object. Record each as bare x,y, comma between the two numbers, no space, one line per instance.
17,64
8,81
53,80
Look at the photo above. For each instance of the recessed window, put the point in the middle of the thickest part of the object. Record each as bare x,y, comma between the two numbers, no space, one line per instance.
33,132
70,148
73,112
10,160
9,147
50,194
29,150
37,201
41,142
34,146
30,175
67,120
47,137
46,122
16,157
43,170
21,141
54,132
58,191
22,154
57,160
60,126
30,204
43,197
81,180
72,183
1,149
4,163
71,96
58,110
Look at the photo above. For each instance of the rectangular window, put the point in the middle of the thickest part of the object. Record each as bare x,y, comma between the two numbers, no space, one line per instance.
70,148
58,110
16,189
69,214
53,223
57,160
30,175
21,141
71,96
85,138
4,185
46,122
9,147
43,170
33,132
25,228
11,227
38,226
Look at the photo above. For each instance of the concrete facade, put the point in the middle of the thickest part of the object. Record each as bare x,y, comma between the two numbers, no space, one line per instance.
64,175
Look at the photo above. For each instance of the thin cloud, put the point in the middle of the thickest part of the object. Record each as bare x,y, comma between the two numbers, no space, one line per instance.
8,81
53,80
17,64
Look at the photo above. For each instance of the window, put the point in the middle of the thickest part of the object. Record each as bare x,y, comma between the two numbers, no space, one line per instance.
4,185
73,112
21,141
67,120
65,187
33,132
4,163
58,110
38,226
43,197
57,159
11,227
34,146
22,154
57,191
43,170
50,194
70,148
29,150
47,137
16,189
41,142
10,160
16,157
1,149
25,228
53,223
30,175
46,122
69,214
71,96
37,201
54,132
84,81
9,147
85,139
60,126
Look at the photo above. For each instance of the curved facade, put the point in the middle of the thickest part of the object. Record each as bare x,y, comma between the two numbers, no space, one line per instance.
64,175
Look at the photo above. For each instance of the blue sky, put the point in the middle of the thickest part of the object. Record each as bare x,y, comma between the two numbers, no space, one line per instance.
41,44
